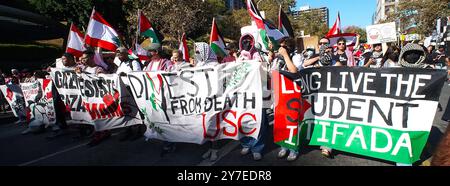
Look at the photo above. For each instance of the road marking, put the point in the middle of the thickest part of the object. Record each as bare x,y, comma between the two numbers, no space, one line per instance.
51,155
222,152
56,153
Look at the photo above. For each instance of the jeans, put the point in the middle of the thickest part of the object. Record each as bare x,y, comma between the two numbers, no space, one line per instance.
257,145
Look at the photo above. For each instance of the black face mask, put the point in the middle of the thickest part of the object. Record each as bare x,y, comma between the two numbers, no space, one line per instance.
246,45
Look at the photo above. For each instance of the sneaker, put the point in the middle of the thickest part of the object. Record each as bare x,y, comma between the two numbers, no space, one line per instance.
213,155
245,151
257,156
282,153
292,156
207,154
326,153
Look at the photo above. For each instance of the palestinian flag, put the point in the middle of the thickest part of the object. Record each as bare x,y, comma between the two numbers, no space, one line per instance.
184,48
75,44
146,29
336,29
266,30
287,131
284,25
101,34
216,41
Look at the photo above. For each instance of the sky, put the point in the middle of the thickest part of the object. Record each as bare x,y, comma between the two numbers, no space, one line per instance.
352,12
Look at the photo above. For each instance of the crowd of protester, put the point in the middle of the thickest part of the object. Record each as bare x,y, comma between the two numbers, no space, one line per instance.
289,56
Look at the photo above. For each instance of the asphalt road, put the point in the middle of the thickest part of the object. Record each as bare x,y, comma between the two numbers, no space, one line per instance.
36,150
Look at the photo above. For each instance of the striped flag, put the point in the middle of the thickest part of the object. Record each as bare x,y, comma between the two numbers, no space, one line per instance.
146,29
350,39
75,44
101,34
336,29
284,25
216,41
184,48
266,30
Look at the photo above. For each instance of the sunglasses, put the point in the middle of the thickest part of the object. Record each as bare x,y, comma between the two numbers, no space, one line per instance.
341,43
323,43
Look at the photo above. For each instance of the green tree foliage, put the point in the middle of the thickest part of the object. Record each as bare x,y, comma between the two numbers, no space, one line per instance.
357,30
423,13
310,24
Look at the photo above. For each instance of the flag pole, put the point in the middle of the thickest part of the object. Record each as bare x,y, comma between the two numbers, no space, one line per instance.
138,26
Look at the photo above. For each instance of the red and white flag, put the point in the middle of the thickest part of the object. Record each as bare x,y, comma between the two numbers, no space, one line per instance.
336,29
101,34
184,48
350,39
75,44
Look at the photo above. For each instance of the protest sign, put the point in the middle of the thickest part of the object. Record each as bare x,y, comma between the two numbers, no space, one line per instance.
66,83
108,102
14,96
381,113
381,33
39,101
200,104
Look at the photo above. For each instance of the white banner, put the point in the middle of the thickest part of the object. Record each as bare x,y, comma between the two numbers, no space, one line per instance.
66,82
381,33
39,101
108,101
200,104
14,96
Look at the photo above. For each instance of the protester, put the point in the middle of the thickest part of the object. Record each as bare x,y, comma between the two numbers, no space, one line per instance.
373,59
89,67
15,77
204,56
124,64
285,61
178,62
439,58
247,49
390,58
232,53
342,56
156,62
324,56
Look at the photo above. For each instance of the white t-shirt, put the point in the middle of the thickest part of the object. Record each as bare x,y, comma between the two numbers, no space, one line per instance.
90,70
298,60
126,67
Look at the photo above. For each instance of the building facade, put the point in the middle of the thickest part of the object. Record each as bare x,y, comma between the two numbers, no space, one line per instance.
384,9
322,13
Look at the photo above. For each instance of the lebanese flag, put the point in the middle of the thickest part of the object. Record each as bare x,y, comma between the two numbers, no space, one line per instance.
146,29
75,44
266,30
284,25
184,48
216,41
350,39
101,34
336,29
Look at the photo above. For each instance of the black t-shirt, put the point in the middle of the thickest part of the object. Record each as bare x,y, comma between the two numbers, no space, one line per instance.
342,58
440,60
